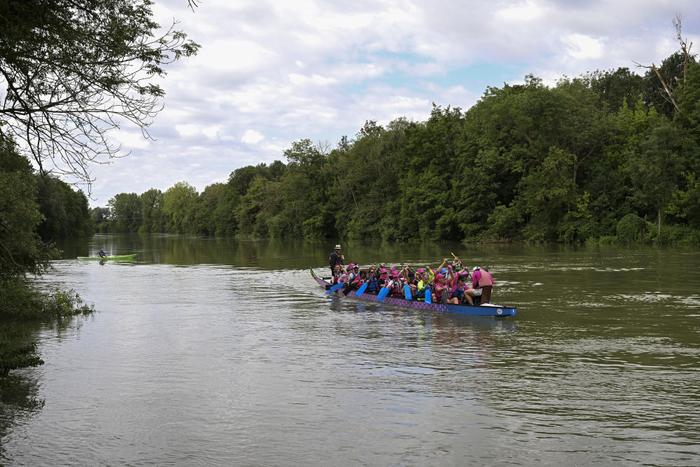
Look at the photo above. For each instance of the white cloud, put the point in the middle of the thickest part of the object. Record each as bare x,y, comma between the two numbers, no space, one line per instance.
520,12
582,47
252,137
130,140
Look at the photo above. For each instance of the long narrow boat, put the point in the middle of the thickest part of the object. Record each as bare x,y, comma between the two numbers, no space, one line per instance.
130,257
488,309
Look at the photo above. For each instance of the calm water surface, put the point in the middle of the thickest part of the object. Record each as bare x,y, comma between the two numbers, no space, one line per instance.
216,352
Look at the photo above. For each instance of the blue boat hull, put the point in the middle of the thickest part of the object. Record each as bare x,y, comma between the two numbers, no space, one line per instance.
468,310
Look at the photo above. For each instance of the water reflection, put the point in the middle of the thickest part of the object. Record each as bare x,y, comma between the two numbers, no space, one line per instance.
19,391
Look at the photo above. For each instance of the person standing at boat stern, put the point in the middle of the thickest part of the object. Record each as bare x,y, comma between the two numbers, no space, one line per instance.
482,284
336,257
486,284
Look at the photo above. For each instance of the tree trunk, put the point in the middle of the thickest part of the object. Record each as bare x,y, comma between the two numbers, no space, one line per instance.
658,227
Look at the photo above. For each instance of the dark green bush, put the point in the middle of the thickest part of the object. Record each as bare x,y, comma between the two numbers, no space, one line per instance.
631,228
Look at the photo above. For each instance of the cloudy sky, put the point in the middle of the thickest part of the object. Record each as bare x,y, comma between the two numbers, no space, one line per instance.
272,72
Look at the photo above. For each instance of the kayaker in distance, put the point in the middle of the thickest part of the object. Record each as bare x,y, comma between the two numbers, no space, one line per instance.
101,253
336,258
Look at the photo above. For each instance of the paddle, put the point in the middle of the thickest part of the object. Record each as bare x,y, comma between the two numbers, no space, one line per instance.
407,292
458,261
362,289
337,286
428,295
382,294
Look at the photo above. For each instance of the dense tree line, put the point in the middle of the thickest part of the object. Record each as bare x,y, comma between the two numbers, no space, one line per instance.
608,155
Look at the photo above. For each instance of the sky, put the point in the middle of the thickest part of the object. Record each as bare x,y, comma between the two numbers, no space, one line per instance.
273,72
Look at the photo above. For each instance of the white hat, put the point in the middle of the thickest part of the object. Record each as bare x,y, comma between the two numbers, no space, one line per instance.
475,268
337,247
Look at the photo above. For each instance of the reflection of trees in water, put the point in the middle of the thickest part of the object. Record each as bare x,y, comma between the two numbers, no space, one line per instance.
18,401
265,253
19,389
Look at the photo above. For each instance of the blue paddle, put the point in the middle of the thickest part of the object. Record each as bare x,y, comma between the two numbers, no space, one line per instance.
337,286
362,289
407,292
382,294
428,295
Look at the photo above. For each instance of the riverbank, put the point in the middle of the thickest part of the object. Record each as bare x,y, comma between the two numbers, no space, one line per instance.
24,308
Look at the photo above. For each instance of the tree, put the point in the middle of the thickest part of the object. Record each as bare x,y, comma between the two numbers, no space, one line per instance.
179,205
71,70
153,218
125,212
100,218
64,210
208,205
656,167
616,87
689,101
21,250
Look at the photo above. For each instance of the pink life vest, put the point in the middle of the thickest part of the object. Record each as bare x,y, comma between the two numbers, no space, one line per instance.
485,279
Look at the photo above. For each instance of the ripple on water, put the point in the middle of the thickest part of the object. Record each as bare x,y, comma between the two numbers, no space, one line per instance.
218,364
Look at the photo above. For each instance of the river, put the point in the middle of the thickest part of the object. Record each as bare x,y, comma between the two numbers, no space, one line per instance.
219,352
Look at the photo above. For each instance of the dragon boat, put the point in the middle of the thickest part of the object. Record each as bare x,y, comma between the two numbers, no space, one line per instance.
487,309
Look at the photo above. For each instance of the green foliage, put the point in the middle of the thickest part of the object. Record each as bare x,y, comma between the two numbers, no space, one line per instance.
100,218
22,303
179,206
631,228
671,70
689,101
153,218
21,250
65,211
126,212
616,88
685,204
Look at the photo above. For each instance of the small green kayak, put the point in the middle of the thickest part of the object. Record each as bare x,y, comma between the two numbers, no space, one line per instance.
131,257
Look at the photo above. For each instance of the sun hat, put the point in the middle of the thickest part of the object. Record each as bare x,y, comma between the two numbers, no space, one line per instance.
337,247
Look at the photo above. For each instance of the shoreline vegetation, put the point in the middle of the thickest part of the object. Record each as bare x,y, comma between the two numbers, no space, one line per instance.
610,157
35,211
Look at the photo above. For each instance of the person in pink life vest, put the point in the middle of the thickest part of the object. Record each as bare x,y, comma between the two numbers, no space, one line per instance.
482,284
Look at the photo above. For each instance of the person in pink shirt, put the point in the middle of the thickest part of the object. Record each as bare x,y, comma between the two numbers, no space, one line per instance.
482,284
